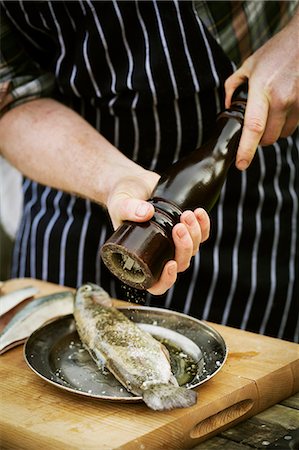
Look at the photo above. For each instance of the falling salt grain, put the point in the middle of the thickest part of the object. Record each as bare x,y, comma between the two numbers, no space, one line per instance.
265,443
287,437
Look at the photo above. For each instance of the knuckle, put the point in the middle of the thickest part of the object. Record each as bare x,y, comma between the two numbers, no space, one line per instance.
285,103
254,125
284,97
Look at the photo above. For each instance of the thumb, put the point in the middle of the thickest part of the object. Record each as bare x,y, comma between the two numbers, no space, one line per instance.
130,209
232,82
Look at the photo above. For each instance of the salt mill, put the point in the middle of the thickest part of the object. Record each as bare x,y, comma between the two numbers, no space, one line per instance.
137,252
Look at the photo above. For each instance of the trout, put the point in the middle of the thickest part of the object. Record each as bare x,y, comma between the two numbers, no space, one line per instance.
136,359
34,315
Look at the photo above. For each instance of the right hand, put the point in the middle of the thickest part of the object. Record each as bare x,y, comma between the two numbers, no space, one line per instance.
272,109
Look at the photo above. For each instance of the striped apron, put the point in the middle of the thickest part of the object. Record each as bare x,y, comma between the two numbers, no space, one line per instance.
149,77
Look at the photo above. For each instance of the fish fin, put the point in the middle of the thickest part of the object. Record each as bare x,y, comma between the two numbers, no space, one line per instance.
173,380
165,351
97,357
166,396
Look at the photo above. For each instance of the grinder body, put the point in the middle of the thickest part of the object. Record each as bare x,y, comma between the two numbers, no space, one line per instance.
137,252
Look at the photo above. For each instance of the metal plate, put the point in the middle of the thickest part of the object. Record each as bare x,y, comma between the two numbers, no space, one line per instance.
55,353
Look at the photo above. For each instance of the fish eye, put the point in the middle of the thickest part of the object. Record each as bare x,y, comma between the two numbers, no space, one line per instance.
86,288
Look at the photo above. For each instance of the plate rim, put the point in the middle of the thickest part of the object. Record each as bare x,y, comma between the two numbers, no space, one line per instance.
133,398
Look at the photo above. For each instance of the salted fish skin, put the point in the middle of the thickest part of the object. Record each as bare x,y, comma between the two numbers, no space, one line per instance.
12,299
132,355
34,315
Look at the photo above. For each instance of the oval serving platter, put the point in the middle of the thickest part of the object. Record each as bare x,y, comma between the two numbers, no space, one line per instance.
55,353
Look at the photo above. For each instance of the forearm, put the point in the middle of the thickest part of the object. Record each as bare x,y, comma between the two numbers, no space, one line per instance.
52,145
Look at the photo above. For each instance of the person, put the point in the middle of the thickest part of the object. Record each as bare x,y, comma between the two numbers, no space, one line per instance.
98,98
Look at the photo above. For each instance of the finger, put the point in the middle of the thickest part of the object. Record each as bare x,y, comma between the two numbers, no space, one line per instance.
231,84
275,122
291,123
204,222
183,246
255,120
189,219
134,210
167,279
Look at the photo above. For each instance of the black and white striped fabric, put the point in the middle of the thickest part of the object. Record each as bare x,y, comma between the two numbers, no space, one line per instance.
149,77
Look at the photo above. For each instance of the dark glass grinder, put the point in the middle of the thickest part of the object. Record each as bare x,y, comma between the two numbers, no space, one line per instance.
137,252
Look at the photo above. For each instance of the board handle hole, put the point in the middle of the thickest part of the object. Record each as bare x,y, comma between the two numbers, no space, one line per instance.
222,418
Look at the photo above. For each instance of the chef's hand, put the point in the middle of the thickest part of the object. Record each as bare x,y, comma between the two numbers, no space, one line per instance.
272,109
125,203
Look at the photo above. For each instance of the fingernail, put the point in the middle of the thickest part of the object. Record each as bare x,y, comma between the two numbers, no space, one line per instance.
199,212
242,164
142,209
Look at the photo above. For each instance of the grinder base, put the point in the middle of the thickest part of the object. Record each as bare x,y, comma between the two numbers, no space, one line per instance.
137,252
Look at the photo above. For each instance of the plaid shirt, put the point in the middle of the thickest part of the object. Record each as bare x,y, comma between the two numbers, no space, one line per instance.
21,78
240,27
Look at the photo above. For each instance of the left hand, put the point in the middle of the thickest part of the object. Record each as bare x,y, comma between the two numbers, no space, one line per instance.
272,109
127,201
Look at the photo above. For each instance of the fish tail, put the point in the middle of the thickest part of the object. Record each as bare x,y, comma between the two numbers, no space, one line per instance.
166,396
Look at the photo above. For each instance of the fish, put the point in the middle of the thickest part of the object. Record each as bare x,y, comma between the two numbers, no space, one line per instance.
135,358
34,315
12,299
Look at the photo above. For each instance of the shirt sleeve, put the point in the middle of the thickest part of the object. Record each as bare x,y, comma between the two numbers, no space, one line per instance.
21,78
243,27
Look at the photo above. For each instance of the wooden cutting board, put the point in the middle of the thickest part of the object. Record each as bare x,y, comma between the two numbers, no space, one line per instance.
259,372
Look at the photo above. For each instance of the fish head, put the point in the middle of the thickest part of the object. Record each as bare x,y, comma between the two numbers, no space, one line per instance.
95,293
